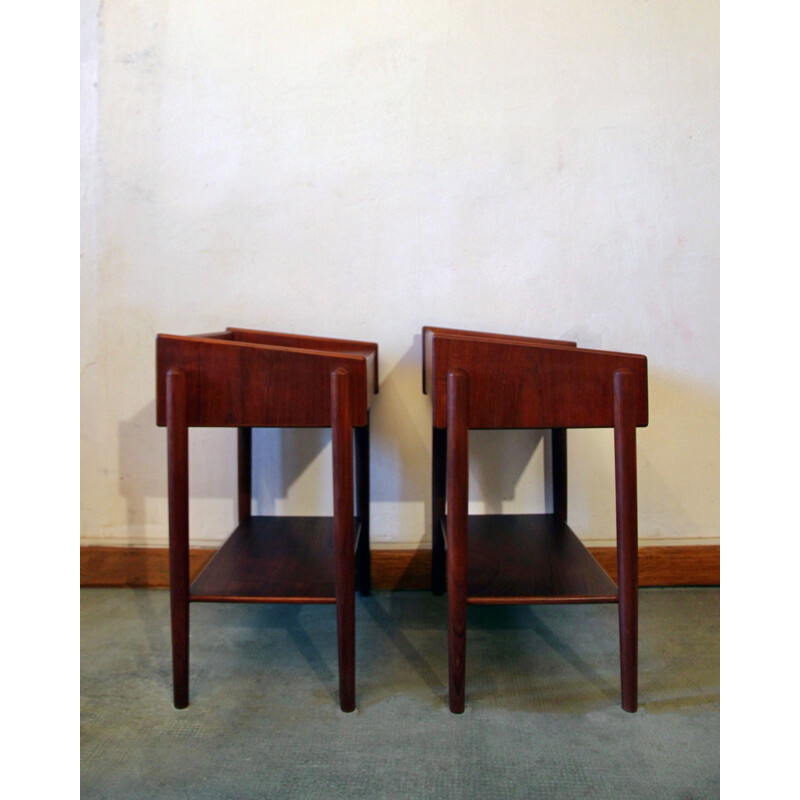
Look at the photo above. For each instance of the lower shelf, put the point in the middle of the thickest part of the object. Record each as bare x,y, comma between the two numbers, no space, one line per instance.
531,558
272,560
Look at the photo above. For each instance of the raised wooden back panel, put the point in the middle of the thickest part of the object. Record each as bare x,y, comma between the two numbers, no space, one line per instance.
367,350
430,332
516,382
243,378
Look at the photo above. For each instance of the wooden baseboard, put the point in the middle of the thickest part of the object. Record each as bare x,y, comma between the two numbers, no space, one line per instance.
147,567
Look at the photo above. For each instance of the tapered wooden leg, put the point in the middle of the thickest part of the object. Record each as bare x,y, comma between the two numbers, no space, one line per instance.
362,508
178,480
627,535
558,444
245,471
457,506
344,534
438,492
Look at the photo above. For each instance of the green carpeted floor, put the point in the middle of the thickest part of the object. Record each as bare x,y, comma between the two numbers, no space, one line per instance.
543,718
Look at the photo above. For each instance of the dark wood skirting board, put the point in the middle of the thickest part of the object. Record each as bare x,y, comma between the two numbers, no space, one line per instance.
147,567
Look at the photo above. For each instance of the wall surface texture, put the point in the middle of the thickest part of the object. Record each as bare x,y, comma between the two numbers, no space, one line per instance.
361,169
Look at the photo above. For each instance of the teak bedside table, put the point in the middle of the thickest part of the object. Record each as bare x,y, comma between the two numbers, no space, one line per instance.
248,379
483,380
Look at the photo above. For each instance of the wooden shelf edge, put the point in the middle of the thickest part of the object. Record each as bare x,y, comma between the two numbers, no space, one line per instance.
541,600
234,598
392,570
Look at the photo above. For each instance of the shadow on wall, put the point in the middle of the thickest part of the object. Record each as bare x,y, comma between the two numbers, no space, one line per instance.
498,460
402,446
678,465
142,465
143,474
396,458
280,457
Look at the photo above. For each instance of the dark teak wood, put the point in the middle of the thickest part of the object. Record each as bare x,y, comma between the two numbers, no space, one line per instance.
178,494
245,471
439,487
627,533
490,380
344,534
363,568
457,563
243,379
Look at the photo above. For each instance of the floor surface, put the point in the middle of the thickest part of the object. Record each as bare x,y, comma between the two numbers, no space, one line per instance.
543,718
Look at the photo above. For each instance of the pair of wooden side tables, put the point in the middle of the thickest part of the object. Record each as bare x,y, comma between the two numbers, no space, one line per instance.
249,379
